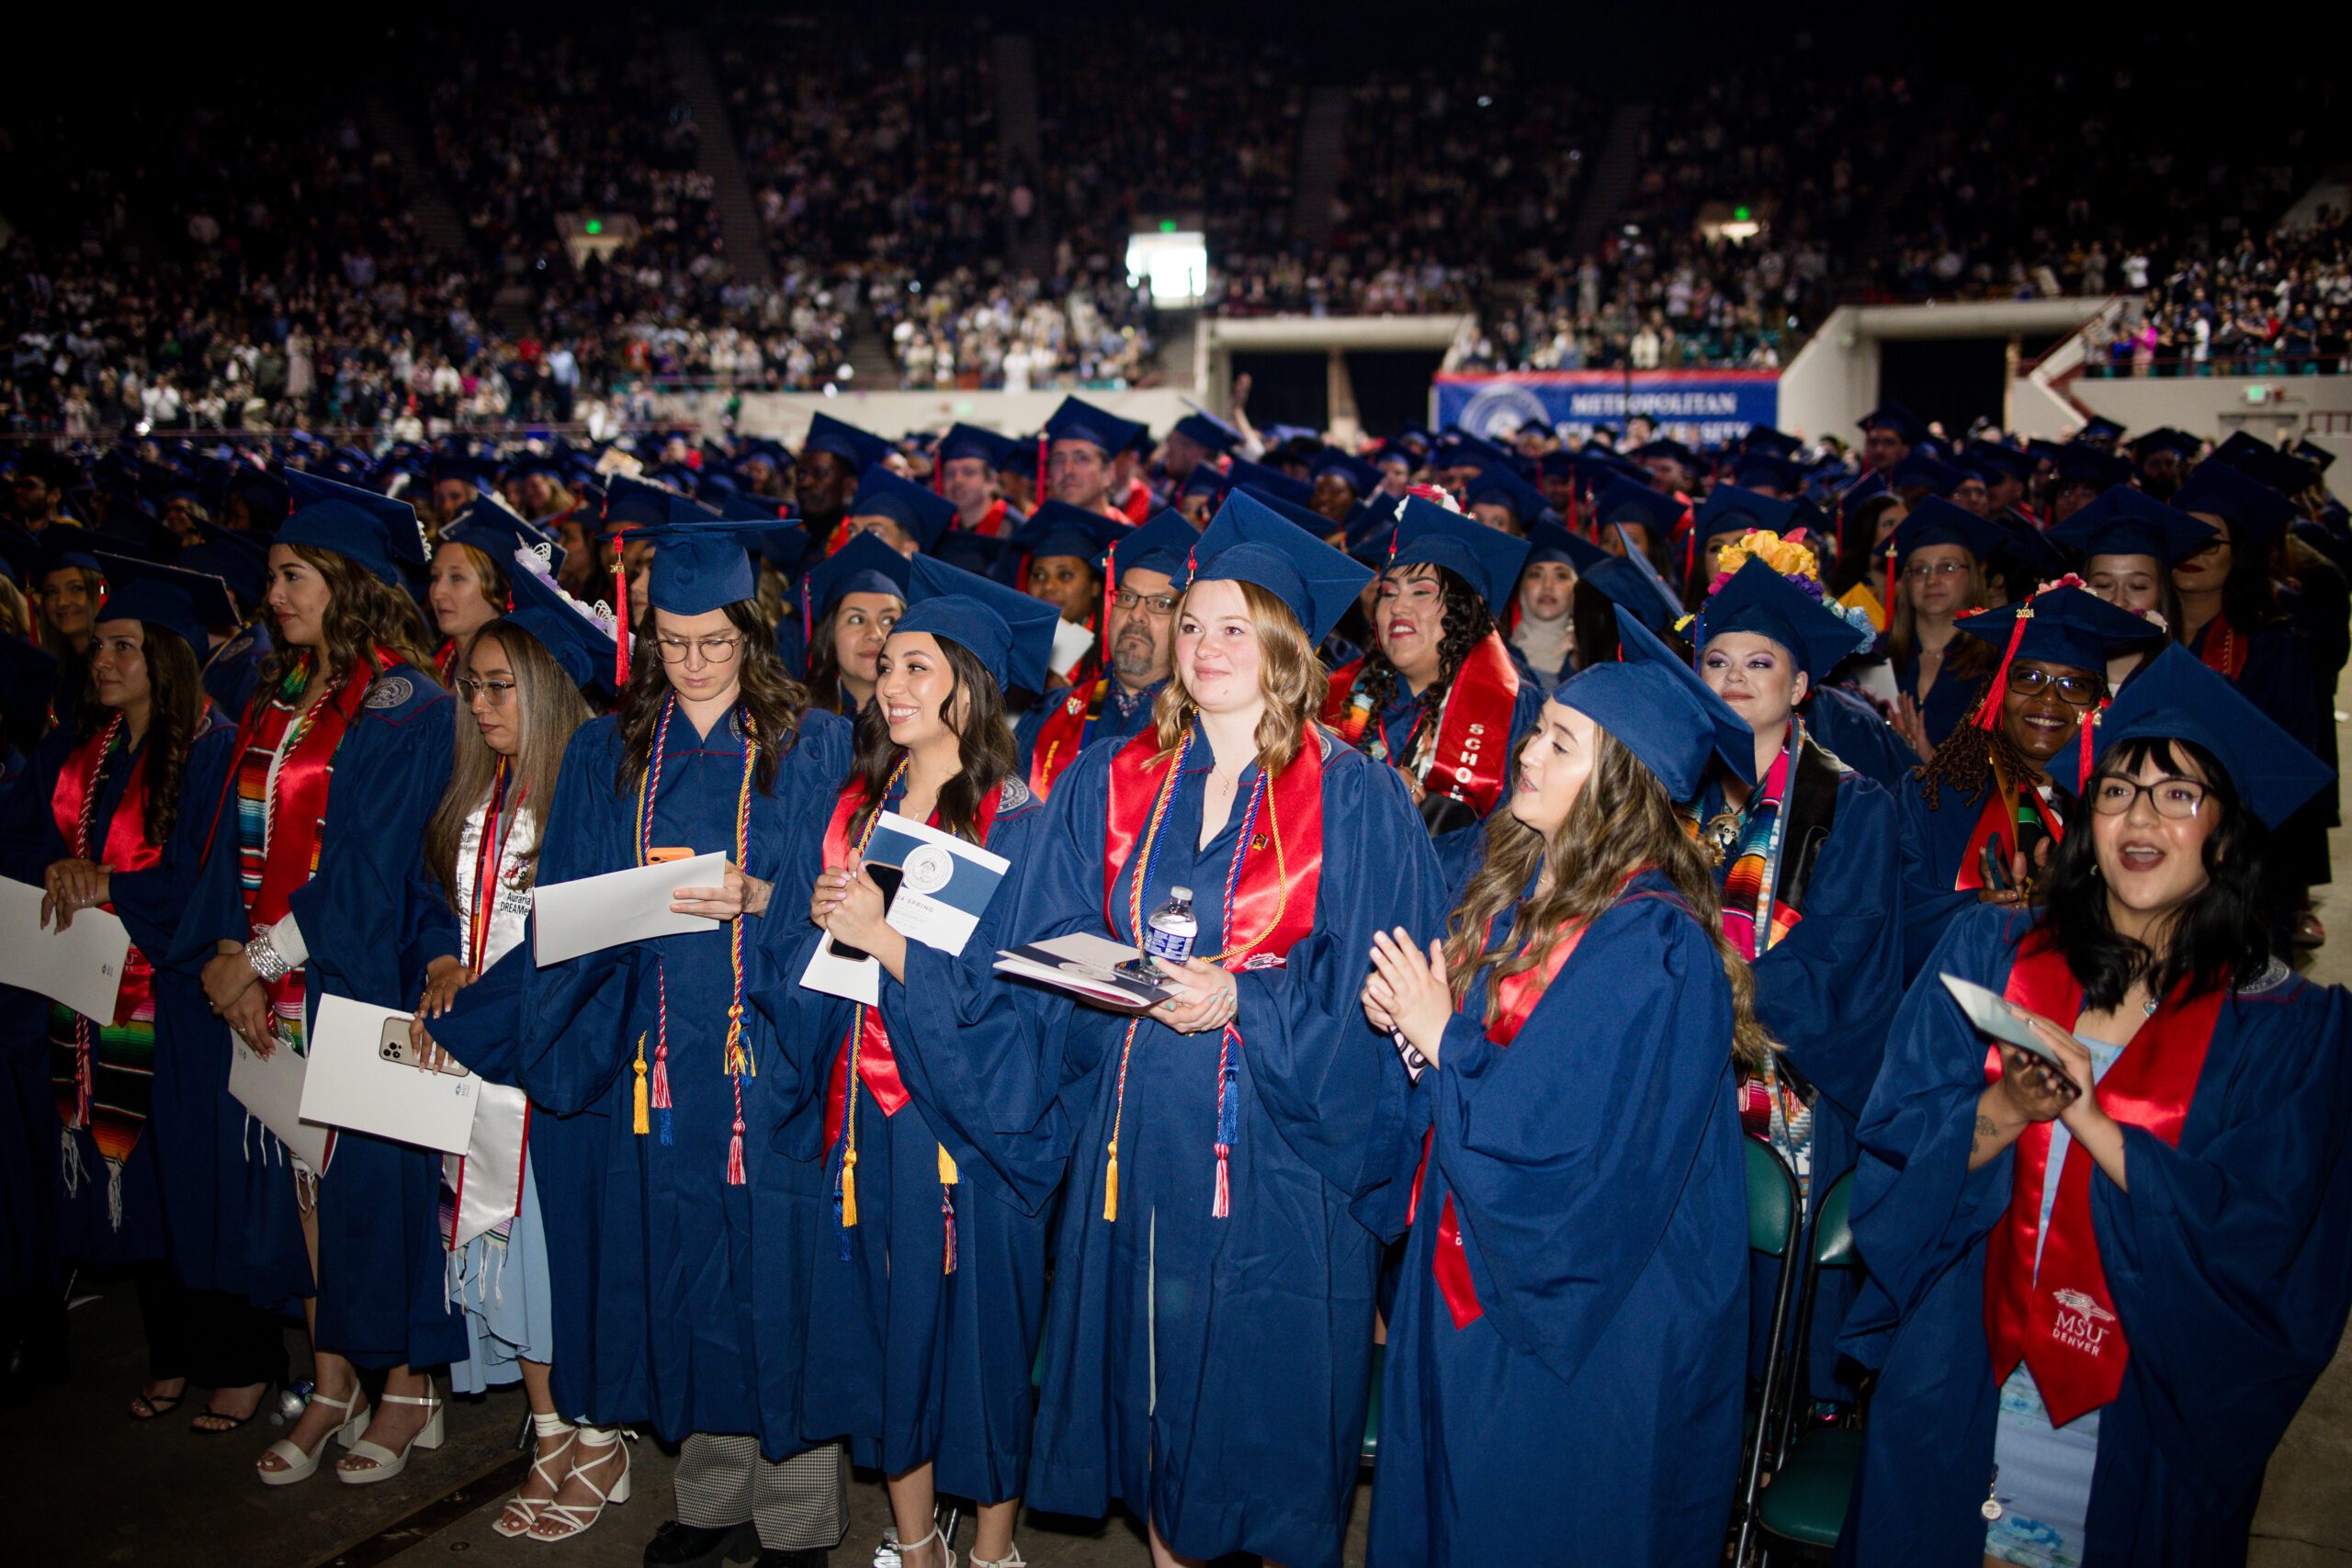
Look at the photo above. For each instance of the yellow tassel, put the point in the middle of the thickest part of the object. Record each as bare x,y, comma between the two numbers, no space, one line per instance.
638,1122
849,1190
1111,1185
948,1176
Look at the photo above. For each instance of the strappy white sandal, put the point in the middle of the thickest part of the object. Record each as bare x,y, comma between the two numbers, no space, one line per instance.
384,1464
946,1553
1012,1559
526,1509
300,1466
572,1519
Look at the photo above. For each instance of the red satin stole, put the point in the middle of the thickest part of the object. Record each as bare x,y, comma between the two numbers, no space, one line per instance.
1472,753
2221,648
2061,1321
1336,710
126,848
1061,734
300,808
878,1066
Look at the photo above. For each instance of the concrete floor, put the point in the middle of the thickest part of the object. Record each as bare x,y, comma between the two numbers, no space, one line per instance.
81,1480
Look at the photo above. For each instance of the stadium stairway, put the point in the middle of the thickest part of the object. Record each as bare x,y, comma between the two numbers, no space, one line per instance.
1028,249
1613,174
437,219
739,217
1322,148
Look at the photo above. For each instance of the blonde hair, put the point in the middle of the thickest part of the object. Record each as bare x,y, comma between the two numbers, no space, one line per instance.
1622,823
1290,676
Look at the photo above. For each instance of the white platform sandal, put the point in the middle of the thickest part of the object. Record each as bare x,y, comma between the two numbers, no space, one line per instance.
300,1466
571,1518
384,1464
1011,1560
946,1553
521,1513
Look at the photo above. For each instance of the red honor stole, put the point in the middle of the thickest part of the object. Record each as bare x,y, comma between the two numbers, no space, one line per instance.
297,812
1339,711
1270,894
864,1051
2221,648
1999,816
73,804
1061,734
2062,1322
1472,752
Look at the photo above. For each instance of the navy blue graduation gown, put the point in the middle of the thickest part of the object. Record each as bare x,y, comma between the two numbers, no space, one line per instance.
652,1255
1934,843
1845,722
1259,1325
1596,1172
1121,718
911,1362
172,1160
2226,1261
1947,701
234,669
1458,851
382,1288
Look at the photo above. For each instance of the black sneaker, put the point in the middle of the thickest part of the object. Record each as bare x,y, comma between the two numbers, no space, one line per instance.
799,1557
677,1545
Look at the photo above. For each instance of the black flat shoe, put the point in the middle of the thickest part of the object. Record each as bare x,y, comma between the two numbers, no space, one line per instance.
678,1545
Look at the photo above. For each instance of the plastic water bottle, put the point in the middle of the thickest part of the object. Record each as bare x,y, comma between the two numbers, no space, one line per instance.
1170,931
291,1401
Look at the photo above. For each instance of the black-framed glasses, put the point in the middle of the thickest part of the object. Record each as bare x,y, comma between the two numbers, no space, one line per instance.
1156,603
500,693
2080,691
714,649
2176,798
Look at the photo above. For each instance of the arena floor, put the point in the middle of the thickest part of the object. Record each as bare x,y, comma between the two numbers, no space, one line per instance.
90,1486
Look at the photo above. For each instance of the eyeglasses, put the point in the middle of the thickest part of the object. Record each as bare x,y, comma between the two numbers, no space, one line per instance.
499,692
2079,691
1927,568
1158,603
2176,798
714,649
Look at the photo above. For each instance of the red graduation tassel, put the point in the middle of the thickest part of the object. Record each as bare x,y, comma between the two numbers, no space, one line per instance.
1043,441
1222,1205
948,1214
1989,714
620,607
661,1076
1890,582
2086,744
735,1155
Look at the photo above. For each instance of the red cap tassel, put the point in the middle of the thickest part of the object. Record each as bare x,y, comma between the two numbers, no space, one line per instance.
735,1151
2088,743
1889,606
620,605
1042,443
1110,592
661,1076
948,1214
1223,1204
1989,712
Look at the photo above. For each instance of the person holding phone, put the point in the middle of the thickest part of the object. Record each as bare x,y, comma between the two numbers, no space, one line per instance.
1981,817
522,690
1934,573
933,1107
2099,1290
1208,1338
341,755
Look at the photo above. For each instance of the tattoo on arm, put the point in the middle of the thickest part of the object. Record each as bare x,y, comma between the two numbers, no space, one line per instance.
1987,1130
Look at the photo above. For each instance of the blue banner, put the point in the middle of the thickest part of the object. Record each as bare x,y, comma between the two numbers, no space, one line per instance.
1702,407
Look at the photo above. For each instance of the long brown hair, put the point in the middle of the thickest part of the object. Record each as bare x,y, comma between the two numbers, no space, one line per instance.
550,707
771,700
984,750
174,708
364,612
1622,823
1291,676
1963,656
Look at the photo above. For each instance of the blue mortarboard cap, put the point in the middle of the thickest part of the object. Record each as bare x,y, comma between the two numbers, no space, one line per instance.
1247,541
241,560
2078,464
1908,427
498,532
2098,427
1675,451
1729,508
783,549
714,485
1763,439
1058,528
1307,517
1500,486
1080,421
1272,481
2255,512
864,565
1160,544
1626,501
1659,596
1988,456
2127,521
1936,521
963,441
1008,631
1919,471
378,532
1206,479
860,449
546,465
1207,430
1361,476
2164,438
131,528
1658,709
764,450
183,602
1489,559
2175,697
984,555
580,643
920,513
1753,470
2306,451
1759,600
704,565
1550,541
2259,460
640,503
2069,626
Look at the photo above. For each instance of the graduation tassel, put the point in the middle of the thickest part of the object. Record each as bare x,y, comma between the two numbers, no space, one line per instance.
1118,1112
2086,743
735,1156
1111,1184
637,1097
849,1195
1227,1123
1988,713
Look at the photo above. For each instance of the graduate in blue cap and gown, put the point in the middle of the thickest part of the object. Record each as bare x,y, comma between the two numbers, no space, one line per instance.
1810,868
1082,444
664,1206
113,815
1208,1340
337,763
1569,1322
1648,516
832,460
1934,570
849,602
1143,567
1540,623
901,514
232,658
1062,550
2100,1287
1984,814
467,587
940,1139
970,461
527,674
1440,696
2127,544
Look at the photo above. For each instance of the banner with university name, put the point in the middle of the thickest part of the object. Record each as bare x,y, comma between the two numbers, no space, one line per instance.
1696,406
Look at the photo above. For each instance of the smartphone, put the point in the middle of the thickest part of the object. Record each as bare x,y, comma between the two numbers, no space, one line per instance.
886,877
663,857
393,1046
1996,865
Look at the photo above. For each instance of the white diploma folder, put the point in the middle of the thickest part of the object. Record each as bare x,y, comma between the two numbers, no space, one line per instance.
946,886
351,1084
80,967
594,912
271,1091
